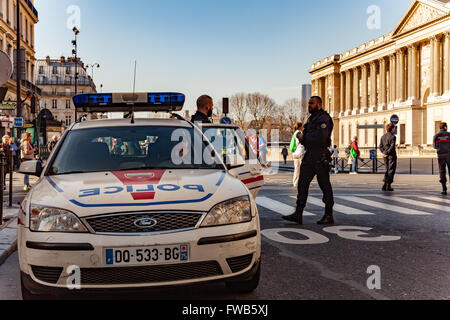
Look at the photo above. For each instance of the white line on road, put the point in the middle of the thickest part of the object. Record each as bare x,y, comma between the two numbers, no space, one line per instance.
279,207
442,200
340,208
385,206
419,203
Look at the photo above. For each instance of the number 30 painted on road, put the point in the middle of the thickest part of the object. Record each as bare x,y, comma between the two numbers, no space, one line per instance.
345,232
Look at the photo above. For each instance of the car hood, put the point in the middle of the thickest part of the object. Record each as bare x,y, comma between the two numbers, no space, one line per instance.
130,191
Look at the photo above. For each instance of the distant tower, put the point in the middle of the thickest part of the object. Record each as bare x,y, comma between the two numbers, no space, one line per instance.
306,95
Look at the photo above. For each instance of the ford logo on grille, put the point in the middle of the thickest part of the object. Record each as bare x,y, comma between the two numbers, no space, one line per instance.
145,223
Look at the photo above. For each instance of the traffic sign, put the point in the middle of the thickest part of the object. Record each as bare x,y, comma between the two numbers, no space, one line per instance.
4,118
18,122
373,154
395,119
226,120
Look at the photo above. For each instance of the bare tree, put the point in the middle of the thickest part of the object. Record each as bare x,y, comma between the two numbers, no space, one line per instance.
260,107
293,113
239,109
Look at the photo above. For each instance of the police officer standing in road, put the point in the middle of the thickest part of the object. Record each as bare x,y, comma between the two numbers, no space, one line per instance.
442,145
316,138
387,148
205,105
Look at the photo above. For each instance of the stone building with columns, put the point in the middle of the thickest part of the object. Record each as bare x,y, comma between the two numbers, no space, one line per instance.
405,72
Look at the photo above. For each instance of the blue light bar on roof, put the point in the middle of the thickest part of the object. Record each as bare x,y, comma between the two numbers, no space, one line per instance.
125,102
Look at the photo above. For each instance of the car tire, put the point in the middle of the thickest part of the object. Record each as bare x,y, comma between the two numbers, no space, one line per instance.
26,294
245,286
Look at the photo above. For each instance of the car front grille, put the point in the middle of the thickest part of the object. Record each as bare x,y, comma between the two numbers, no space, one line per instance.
47,274
125,223
150,274
240,263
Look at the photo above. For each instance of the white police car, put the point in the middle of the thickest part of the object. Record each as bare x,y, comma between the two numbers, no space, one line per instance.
136,203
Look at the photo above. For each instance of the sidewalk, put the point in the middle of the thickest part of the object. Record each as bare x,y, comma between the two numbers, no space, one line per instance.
8,230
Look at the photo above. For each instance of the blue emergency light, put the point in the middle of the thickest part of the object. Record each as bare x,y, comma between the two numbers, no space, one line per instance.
126,102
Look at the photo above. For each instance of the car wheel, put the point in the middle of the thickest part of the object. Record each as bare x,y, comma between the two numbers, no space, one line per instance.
245,286
27,295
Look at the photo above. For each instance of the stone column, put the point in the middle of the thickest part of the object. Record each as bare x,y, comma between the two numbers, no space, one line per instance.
435,62
383,86
365,89
342,89
392,79
348,92
447,63
373,86
412,50
356,104
401,75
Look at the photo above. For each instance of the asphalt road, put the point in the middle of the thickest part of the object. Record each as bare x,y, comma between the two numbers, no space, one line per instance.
406,250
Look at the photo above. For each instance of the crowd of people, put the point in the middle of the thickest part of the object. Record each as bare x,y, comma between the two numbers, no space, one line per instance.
17,152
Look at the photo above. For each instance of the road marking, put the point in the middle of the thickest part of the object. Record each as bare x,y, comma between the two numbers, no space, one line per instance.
279,207
313,237
442,200
385,206
419,203
340,208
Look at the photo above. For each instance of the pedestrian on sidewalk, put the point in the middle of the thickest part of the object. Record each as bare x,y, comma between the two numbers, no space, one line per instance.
387,148
298,152
285,154
15,153
316,138
442,145
355,153
335,154
27,154
6,149
52,143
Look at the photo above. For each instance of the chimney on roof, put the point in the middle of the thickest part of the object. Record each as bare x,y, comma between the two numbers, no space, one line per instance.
47,59
63,59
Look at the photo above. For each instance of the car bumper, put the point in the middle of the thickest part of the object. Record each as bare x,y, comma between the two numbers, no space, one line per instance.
216,254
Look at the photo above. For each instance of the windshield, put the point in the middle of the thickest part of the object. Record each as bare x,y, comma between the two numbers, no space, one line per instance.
133,148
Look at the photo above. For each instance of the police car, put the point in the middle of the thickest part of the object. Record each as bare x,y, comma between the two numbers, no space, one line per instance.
230,141
136,203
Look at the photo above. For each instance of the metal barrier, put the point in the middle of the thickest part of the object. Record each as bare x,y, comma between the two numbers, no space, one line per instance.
4,170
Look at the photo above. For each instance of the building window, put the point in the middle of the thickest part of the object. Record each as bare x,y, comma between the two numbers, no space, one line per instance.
1,8
41,69
54,104
68,120
54,91
67,104
68,70
403,134
55,70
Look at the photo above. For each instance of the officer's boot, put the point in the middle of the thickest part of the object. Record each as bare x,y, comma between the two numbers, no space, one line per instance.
328,218
444,189
296,217
385,187
389,188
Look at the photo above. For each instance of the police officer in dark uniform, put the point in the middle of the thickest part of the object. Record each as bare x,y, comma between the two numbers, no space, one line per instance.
442,145
205,105
387,147
316,138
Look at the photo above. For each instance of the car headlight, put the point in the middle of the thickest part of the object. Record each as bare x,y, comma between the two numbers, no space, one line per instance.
233,211
46,219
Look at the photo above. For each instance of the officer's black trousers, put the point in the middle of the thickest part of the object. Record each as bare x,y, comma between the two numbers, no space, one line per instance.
391,168
310,168
444,164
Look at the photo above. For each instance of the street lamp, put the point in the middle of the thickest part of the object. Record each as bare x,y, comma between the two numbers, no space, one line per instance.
92,66
75,53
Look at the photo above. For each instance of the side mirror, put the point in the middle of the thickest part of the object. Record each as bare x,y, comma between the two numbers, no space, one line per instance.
32,168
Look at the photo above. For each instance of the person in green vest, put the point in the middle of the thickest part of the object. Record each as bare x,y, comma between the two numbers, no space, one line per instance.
298,151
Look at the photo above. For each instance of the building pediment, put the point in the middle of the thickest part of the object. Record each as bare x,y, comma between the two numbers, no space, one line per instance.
420,13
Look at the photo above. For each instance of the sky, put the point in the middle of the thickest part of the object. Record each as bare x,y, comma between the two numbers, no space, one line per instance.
215,47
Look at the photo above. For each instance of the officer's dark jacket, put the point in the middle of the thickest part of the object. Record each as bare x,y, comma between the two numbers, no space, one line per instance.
442,144
387,145
317,132
200,117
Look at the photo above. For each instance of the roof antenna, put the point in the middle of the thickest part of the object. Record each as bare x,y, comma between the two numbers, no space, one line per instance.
134,92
